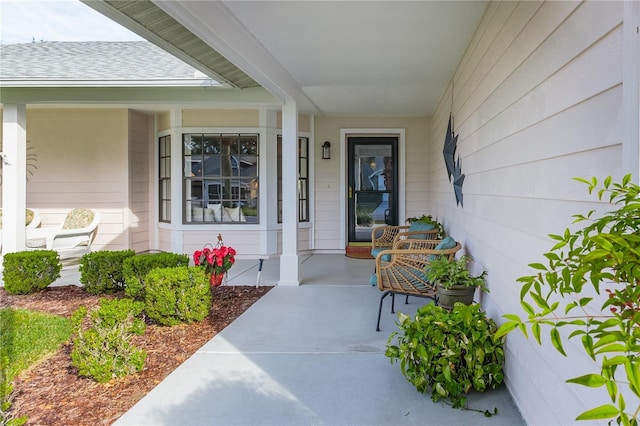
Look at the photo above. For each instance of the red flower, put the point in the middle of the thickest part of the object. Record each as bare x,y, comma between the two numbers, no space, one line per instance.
216,261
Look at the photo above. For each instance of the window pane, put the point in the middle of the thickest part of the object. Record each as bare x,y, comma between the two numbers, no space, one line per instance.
230,144
192,144
220,184
164,179
211,144
249,144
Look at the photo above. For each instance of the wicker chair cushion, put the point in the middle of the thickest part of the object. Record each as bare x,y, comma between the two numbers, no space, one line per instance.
78,218
373,279
445,244
376,251
420,226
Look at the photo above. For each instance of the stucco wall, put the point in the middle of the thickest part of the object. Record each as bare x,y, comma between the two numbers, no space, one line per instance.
536,101
80,161
327,172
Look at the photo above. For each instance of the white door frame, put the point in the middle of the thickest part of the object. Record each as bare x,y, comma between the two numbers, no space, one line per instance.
343,171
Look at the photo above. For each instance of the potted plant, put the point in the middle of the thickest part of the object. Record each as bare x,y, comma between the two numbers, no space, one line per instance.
215,261
566,292
428,219
449,353
454,282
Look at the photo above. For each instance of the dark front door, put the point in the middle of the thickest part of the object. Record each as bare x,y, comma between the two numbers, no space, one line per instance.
373,184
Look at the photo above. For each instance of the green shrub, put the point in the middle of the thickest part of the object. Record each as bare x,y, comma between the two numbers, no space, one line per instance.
30,271
104,351
101,271
177,295
135,270
449,353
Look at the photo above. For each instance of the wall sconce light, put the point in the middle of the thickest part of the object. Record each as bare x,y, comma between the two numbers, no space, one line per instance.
326,150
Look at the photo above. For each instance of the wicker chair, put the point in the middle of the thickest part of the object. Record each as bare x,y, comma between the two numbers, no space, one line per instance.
384,237
404,273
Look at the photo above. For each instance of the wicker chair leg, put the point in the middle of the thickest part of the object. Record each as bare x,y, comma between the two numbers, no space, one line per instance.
393,303
406,300
385,294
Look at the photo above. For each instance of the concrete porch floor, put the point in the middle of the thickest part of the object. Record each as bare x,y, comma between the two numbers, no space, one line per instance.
304,355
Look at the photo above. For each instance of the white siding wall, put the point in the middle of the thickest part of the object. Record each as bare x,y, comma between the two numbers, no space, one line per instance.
81,161
536,101
139,186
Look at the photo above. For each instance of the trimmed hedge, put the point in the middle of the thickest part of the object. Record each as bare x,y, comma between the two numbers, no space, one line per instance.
26,272
177,295
136,268
101,271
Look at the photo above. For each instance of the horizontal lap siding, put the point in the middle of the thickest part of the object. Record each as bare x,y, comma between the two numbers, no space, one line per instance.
81,161
536,101
139,175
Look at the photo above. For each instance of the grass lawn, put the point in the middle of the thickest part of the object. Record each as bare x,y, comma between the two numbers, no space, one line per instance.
27,336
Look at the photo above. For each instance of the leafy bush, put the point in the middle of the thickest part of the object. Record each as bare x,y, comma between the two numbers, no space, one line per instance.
449,352
104,351
177,295
604,252
30,271
135,270
101,271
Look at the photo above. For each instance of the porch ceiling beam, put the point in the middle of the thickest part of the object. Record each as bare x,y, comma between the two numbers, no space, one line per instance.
138,95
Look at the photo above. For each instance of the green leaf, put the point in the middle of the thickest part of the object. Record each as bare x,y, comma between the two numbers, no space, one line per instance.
603,412
590,380
535,329
556,340
587,342
538,266
633,374
527,308
505,329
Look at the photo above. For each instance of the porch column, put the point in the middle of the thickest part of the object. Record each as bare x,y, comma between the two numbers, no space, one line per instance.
289,266
14,176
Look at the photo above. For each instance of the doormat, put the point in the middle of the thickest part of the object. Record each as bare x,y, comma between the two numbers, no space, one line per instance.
359,252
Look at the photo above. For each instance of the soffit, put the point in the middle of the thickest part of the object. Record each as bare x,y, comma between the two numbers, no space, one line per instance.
152,23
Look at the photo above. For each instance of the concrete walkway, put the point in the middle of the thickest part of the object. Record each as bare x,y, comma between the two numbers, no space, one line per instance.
306,355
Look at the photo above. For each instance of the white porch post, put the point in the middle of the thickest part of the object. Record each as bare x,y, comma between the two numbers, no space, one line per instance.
14,176
289,267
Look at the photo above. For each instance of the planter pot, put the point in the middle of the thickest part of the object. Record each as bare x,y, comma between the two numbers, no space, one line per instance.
216,280
457,293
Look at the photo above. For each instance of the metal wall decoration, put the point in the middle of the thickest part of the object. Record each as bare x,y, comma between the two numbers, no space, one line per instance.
454,166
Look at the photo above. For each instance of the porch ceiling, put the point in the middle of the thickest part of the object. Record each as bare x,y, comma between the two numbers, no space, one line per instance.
379,58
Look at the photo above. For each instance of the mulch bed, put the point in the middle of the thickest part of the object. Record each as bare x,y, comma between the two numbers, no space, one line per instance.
51,393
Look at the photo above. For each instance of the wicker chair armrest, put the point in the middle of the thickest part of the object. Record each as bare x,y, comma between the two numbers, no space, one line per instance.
429,234
383,236
405,273
415,243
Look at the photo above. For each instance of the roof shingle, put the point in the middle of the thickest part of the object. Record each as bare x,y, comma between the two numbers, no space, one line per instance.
92,61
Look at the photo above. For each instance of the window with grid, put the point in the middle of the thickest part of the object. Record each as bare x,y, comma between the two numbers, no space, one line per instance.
303,179
220,178
164,178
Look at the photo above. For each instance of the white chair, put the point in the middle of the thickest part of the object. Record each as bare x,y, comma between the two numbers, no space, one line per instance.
32,221
71,239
